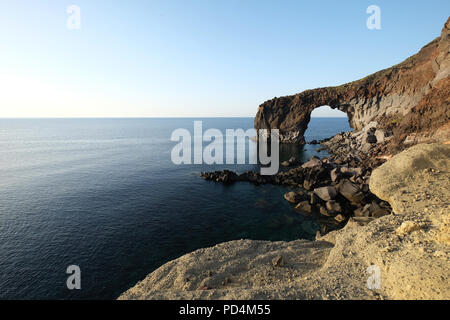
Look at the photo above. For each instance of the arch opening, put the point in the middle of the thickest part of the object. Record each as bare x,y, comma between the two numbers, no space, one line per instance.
327,112
326,122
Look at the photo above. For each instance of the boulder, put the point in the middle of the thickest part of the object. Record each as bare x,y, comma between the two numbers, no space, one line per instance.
304,206
293,197
340,218
326,193
351,191
313,162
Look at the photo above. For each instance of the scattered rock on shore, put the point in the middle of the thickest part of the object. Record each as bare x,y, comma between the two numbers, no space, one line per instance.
294,197
337,185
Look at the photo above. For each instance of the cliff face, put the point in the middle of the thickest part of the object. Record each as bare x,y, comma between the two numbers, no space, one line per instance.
411,95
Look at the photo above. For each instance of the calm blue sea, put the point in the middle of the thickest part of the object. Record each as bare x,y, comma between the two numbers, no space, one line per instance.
103,194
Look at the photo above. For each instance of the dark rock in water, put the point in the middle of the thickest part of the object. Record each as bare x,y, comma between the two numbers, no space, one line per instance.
294,197
326,193
304,206
224,176
314,142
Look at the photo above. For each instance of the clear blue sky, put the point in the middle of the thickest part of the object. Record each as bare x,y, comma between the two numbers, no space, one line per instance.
194,57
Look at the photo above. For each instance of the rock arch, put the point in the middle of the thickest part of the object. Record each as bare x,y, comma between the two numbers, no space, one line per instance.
393,91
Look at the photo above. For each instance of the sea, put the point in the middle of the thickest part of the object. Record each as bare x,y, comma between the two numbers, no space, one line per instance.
105,195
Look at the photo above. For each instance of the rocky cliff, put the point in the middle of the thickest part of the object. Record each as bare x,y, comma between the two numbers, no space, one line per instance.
411,99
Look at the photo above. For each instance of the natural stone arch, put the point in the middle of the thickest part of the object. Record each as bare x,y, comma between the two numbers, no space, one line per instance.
292,114
327,112
396,91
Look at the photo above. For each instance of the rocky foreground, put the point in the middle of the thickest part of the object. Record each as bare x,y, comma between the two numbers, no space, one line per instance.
411,248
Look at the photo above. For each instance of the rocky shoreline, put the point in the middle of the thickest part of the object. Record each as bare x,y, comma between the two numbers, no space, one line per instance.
333,188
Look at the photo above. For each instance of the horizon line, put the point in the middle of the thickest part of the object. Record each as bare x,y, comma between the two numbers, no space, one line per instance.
155,117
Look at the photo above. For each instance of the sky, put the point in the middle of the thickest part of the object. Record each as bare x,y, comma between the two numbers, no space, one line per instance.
195,58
